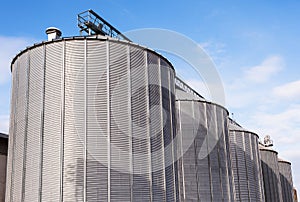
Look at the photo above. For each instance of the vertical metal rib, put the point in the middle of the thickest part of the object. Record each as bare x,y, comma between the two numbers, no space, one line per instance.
14,134
26,125
130,123
208,155
85,121
181,154
10,157
218,151
108,120
171,131
42,124
148,121
62,121
162,126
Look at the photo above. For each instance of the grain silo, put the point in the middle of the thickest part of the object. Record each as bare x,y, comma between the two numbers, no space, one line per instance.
270,172
203,147
92,120
286,179
3,160
245,162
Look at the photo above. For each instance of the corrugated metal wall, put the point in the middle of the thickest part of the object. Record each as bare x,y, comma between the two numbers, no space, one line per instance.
271,177
95,120
286,180
204,165
246,165
92,120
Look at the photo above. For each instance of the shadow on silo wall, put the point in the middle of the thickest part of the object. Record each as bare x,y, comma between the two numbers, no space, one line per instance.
287,189
246,167
124,186
272,192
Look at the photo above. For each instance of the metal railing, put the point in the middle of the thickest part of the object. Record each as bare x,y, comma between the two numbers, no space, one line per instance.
186,88
91,23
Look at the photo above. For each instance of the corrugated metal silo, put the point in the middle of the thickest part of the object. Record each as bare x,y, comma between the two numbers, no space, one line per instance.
271,176
286,180
204,165
92,120
246,165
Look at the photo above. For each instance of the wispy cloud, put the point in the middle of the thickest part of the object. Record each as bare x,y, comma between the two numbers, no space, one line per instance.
216,50
283,126
10,46
263,72
247,89
289,90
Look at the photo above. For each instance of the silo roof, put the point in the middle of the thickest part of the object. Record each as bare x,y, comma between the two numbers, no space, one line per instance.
280,160
264,148
234,126
91,37
181,95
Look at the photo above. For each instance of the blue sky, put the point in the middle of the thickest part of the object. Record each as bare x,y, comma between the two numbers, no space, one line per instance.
254,45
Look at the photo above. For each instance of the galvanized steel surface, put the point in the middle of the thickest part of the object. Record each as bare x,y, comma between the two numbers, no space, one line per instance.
271,176
246,164
286,179
92,120
204,168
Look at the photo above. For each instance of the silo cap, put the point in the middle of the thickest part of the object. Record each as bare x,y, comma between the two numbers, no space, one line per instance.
51,30
53,33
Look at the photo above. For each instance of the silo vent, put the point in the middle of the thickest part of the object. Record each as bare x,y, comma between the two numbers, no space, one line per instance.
53,33
267,141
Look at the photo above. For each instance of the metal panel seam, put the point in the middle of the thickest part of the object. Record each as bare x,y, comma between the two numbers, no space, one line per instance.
218,151
237,167
182,169
208,155
195,160
253,166
226,152
130,123
162,131
171,130
26,125
14,143
42,124
148,123
62,117
246,166
108,121
85,120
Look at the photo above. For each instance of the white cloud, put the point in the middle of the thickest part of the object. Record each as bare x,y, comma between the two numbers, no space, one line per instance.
216,50
283,126
245,88
240,99
4,123
10,46
264,71
288,91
